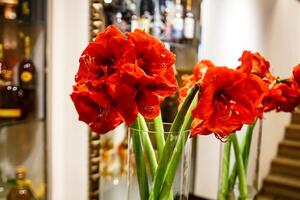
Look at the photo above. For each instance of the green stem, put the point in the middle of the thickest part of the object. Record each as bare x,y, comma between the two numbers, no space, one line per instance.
245,150
248,142
240,168
147,144
223,193
170,145
176,155
159,134
139,160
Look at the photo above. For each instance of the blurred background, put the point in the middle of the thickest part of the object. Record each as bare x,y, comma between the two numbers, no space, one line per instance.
41,140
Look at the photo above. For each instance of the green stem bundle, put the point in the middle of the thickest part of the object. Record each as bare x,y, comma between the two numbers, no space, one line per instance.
240,168
140,162
182,139
147,144
159,134
245,151
224,191
170,145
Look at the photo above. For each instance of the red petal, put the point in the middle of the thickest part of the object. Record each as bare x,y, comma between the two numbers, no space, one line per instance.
125,99
86,108
148,104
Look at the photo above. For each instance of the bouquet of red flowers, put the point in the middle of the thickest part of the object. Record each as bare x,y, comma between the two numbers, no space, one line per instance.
125,77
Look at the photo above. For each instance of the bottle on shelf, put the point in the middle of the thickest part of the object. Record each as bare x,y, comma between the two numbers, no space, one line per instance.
9,32
27,78
5,72
189,23
11,96
168,19
24,10
134,23
162,5
147,6
109,12
10,9
145,22
31,11
146,15
178,24
127,8
157,24
22,190
119,22
27,70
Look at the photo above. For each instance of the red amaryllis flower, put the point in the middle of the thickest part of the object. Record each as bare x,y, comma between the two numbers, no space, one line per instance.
95,108
149,80
102,57
256,64
296,74
228,99
188,81
151,55
120,76
284,96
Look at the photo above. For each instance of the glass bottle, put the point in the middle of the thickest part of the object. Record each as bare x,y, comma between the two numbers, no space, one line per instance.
177,26
119,22
168,15
27,78
10,9
134,23
147,6
145,22
24,10
22,190
9,33
189,22
109,11
157,24
5,73
127,8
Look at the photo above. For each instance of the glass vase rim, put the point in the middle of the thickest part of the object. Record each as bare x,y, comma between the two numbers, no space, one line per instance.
153,132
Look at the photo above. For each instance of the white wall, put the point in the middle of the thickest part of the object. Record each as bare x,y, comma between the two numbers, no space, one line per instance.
67,137
229,27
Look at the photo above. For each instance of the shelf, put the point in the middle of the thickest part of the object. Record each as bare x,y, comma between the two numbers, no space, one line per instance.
10,123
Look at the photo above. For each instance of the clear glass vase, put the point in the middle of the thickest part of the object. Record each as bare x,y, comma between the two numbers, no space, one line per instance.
180,183
240,154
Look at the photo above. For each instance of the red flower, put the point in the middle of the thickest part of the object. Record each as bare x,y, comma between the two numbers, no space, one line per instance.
296,74
102,57
201,68
228,99
188,81
284,96
151,55
149,80
120,76
95,108
256,64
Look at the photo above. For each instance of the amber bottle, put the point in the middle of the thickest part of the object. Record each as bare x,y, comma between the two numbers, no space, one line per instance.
22,190
27,78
